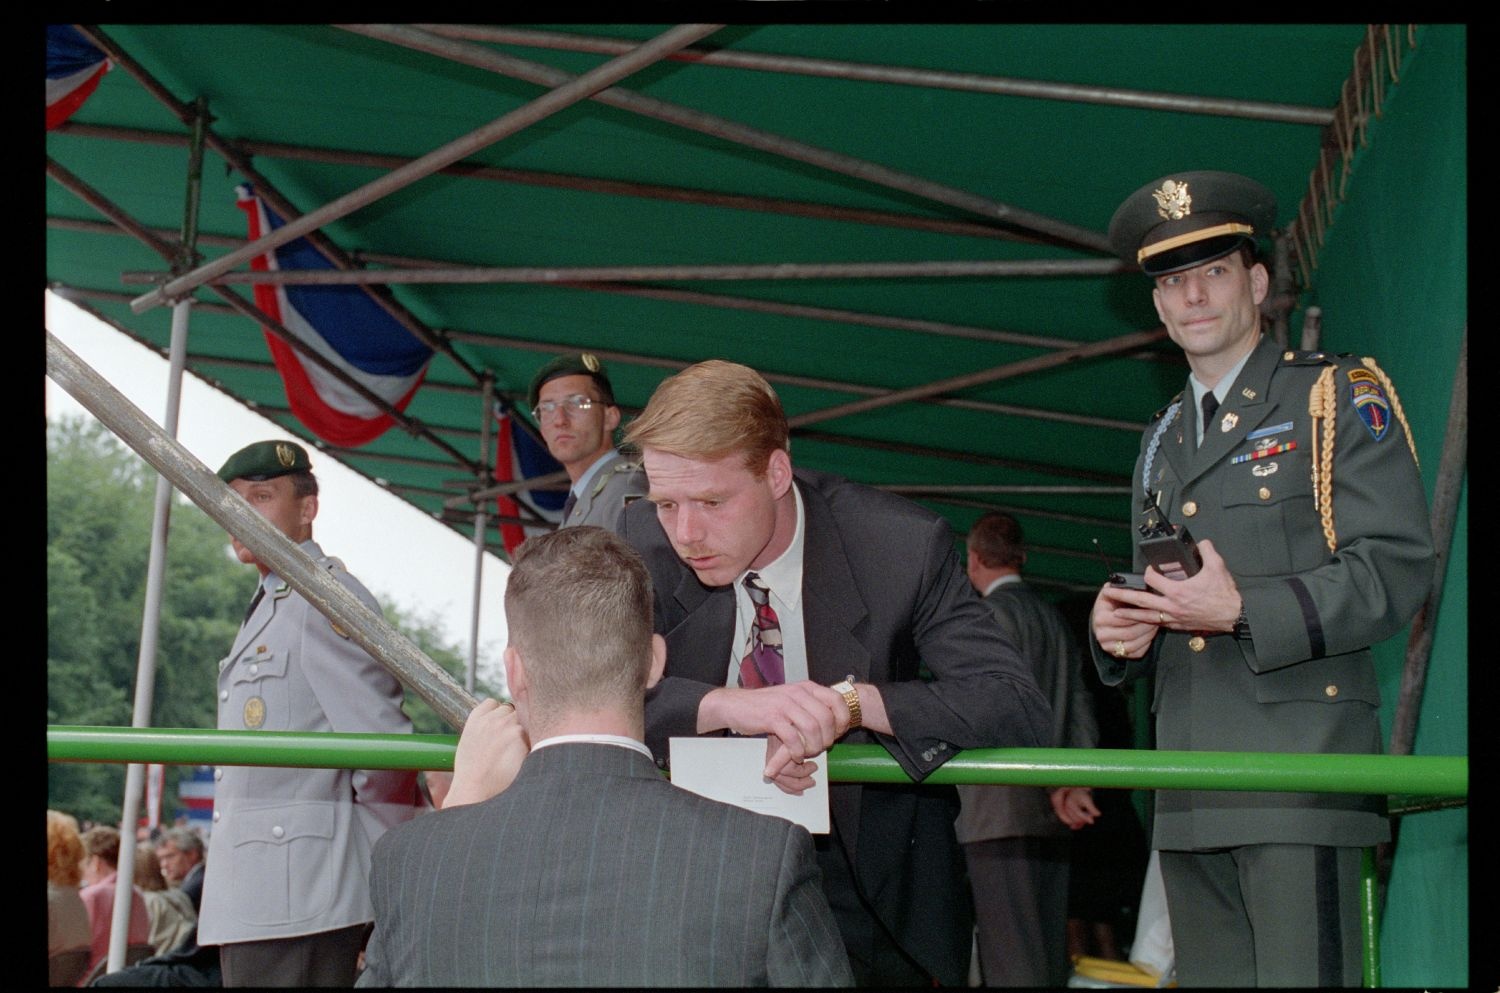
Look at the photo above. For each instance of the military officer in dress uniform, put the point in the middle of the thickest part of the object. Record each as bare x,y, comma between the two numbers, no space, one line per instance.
1297,474
574,406
286,894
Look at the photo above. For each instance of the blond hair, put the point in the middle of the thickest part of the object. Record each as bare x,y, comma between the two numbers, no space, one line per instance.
578,608
711,410
64,850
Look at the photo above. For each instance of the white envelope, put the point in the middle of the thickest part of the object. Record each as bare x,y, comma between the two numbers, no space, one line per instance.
729,770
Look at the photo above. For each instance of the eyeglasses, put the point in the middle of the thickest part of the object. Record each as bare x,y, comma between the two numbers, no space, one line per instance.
577,403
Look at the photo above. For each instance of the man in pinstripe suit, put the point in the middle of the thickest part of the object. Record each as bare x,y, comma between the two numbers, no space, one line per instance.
589,868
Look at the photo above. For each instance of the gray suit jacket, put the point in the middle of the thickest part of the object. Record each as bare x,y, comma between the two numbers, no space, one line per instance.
290,848
1043,637
617,481
884,598
1304,681
593,870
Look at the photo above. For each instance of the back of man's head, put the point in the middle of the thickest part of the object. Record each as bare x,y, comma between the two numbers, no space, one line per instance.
998,541
103,842
578,608
711,410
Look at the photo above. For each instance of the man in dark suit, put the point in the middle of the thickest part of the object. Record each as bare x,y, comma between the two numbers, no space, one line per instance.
1297,475
811,610
1015,838
589,869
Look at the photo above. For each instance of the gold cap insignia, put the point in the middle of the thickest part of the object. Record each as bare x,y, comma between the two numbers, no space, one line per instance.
590,361
285,455
1173,201
255,712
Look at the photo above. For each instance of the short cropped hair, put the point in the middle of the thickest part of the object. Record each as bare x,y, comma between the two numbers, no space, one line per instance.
304,483
711,410
578,606
64,850
998,541
185,840
103,842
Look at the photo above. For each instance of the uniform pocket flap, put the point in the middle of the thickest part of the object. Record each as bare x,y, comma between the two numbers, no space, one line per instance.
282,823
250,668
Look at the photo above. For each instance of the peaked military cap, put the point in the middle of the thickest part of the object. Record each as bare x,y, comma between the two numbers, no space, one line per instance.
1189,218
265,460
571,364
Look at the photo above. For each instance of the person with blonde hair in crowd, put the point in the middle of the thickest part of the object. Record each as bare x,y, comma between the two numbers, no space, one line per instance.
67,919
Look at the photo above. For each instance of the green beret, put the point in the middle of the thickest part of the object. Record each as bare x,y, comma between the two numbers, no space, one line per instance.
1190,218
265,460
571,364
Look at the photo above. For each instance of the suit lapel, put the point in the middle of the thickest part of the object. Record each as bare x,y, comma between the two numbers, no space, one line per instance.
832,605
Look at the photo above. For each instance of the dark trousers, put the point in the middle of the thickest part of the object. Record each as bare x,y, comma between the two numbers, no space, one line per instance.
1265,915
1021,909
328,958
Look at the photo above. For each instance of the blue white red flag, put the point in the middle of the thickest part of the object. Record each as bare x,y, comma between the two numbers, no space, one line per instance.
195,793
74,68
519,456
342,324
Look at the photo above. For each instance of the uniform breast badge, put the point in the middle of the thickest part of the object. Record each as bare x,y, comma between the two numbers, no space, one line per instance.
255,712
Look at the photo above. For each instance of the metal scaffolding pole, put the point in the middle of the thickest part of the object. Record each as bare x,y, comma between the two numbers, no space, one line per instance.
587,184
1126,342
486,408
327,595
240,160
577,89
57,172
944,269
871,172
866,72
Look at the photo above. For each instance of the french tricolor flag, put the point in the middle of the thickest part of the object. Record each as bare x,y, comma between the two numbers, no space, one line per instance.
74,68
519,456
342,324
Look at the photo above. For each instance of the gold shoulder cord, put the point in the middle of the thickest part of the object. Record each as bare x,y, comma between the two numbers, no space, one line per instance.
1322,405
1395,405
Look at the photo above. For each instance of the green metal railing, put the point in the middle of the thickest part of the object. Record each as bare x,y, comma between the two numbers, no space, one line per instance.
1414,782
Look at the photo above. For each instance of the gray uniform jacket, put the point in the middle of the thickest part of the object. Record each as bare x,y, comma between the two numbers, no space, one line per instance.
289,852
615,482
592,870
1043,638
1304,680
886,600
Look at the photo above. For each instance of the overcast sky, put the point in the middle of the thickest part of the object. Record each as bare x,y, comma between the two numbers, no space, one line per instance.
403,555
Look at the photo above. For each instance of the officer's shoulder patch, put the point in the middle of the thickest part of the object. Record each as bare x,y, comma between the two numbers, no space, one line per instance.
1368,396
1166,407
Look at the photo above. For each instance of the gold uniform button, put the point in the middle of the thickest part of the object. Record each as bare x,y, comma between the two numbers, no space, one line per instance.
1196,643
1331,690
1265,493
1288,356
1190,508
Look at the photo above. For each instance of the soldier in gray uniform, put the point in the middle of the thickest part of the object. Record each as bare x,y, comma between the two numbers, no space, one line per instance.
286,893
574,406
1297,474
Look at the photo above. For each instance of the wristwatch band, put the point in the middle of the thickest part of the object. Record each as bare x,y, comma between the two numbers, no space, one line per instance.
1242,626
851,698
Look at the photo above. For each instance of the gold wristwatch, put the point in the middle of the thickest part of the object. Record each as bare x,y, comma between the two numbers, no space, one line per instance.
851,698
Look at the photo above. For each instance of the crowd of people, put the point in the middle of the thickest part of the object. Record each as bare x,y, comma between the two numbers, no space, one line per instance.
706,585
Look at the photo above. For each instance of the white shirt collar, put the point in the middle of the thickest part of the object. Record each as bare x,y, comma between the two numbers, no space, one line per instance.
1011,577
618,741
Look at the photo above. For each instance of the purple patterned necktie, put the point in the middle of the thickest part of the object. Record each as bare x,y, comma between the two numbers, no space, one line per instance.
762,664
